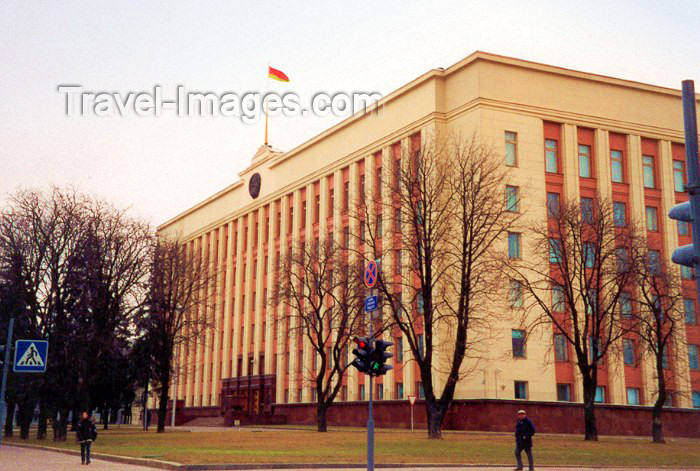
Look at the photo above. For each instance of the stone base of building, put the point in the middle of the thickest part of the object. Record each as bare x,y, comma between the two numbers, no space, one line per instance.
499,416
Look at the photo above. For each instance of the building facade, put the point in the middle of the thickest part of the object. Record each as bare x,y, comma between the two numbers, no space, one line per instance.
568,134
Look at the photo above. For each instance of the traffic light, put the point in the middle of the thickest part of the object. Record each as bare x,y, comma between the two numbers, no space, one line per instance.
378,357
684,255
362,353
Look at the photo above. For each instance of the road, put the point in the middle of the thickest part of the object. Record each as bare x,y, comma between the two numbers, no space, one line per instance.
26,459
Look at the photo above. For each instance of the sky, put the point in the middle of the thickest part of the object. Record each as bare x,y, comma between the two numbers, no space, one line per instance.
161,166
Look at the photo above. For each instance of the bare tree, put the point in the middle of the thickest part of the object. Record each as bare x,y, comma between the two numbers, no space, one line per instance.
179,314
659,313
321,298
576,284
441,225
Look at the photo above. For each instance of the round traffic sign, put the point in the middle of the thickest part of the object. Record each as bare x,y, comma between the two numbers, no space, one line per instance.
371,274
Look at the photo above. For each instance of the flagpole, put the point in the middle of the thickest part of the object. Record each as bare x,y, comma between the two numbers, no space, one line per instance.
266,100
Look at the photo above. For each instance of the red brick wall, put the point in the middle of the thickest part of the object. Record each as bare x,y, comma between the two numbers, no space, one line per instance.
499,416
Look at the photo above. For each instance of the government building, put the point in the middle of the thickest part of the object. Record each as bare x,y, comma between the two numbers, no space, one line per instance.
568,135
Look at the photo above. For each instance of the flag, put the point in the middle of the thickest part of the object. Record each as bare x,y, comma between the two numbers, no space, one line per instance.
277,75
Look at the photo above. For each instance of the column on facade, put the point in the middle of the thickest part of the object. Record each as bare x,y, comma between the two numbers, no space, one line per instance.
199,342
284,371
270,310
218,311
259,283
209,310
238,295
294,337
248,301
308,350
337,235
228,305
354,225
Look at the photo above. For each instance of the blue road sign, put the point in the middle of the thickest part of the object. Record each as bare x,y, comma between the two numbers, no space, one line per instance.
30,356
371,303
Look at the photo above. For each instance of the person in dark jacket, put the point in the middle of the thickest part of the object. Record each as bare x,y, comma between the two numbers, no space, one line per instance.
524,430
86,434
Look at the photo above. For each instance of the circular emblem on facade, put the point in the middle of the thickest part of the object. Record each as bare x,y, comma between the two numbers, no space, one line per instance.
254,185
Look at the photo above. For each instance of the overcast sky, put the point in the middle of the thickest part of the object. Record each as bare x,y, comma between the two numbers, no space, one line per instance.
161,166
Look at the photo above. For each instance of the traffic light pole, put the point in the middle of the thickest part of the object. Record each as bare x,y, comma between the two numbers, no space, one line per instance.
370,419
691,158
5,370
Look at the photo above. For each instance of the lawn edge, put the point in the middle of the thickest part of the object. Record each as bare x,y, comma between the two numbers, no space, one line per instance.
160,464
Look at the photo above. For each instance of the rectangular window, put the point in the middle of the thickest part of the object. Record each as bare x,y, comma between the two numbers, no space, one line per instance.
693,357
551,157
654,262
600,394
594,344
622,258
678,176
652,219
558,298
362,392
331,202
346,237
552,205
397,218
589,254
346,195
380,227
421,392
399,349
689,309
397,262
628,352
587,210
518,343
696,399
512,202
584,161
633,396
520,389
664,357
378,183
619,214
513,245
421,346
361,188
617,166
564,392
686,273
626,305
554,250
380,391
516,294
511,148
648,166
683,228
399,390
560,348
420,302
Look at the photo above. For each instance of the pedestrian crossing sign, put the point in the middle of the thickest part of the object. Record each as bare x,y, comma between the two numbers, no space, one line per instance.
30,356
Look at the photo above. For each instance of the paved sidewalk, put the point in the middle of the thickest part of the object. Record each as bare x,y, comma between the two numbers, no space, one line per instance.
27,459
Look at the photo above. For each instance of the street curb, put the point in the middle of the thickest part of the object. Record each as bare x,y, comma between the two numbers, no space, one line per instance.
159,464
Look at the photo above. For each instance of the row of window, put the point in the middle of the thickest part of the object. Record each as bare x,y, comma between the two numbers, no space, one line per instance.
362,394
585,156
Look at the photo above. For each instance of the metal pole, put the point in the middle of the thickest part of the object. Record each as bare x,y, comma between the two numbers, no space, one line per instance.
411,417
145,406
691,158
370,420
5,370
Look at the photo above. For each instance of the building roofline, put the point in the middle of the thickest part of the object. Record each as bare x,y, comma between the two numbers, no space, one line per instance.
430,74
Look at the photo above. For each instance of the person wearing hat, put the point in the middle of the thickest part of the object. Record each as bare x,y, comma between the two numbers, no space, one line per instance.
524,430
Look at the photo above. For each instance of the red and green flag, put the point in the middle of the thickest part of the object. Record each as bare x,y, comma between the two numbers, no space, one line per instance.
277,75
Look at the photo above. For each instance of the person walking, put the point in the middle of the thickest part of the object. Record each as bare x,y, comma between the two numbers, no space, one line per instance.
87,433
524,430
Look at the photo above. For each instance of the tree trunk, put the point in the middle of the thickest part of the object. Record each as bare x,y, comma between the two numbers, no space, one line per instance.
104,412
321,420
43,425
589,390
436,415
656,425
10,418
163,406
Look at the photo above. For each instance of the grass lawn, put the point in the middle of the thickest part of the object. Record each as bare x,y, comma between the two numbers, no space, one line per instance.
349,446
